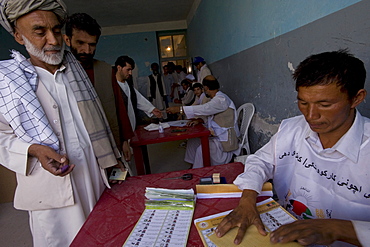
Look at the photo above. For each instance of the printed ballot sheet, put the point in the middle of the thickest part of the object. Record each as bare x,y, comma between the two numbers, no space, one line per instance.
166,220
158,227
272,216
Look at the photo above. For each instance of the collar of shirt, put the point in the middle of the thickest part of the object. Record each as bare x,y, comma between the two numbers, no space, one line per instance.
203,67
124,85
348,145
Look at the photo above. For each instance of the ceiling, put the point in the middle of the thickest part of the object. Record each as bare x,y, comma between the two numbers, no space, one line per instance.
120,13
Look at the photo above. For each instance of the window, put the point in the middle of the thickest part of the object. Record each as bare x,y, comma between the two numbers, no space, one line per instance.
172,48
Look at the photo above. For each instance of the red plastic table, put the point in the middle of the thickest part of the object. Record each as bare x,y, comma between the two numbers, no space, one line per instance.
118,209
143,137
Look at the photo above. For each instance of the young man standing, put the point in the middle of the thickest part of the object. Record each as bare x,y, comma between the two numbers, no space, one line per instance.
82,37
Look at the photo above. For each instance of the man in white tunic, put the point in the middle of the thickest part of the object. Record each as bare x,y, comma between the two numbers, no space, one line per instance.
219,116
319,161
200,96
53,131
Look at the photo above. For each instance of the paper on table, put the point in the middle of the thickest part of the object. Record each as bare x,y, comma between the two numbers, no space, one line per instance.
178,123
252,239
163,225
272,216
226,191
153,126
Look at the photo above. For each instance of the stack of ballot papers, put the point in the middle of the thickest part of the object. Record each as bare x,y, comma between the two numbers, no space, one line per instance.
169,199
166,220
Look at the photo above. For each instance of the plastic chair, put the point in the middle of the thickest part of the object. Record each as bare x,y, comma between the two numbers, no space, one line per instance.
245,113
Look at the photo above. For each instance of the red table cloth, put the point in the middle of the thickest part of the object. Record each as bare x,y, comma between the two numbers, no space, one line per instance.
118,209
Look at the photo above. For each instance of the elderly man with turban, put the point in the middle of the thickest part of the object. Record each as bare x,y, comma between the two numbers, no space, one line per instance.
53,132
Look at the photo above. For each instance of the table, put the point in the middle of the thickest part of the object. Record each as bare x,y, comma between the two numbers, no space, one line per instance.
143,137
118,209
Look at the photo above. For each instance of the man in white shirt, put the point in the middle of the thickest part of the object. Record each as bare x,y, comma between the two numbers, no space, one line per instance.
189,96
220,118
53,132
202,68
200,96
168,82
319,161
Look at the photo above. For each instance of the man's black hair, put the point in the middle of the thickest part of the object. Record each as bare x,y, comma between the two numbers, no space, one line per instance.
82,22
195,85
186,82
122,60
153,65
338,67
211,82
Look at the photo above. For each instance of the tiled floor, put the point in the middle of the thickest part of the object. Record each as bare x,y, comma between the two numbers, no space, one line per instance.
14,227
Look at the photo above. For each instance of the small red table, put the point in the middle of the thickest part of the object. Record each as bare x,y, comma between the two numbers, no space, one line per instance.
118,209
143,137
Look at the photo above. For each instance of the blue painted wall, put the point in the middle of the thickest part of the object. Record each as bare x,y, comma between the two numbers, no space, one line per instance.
142,47
7,43
223,28
258,68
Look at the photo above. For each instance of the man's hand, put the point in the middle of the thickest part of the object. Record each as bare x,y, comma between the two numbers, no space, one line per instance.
173,109
243,216
316,231
157,113
126,151
194,122
51,160
122,167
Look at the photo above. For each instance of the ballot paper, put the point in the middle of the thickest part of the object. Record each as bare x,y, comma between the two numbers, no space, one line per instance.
166,220
272,216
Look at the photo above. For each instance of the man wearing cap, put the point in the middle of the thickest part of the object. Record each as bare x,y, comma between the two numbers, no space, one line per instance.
202,68
53,131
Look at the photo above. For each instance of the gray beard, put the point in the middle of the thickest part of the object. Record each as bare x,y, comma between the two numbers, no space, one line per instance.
52,59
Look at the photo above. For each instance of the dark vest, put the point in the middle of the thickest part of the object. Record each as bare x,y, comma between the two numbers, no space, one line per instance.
153,85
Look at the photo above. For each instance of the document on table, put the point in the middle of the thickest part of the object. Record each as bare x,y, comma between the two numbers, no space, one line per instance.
272,216
158,227
205,191
178,123
166,221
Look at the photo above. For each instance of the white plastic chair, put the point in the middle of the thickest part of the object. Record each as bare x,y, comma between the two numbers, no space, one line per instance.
245,113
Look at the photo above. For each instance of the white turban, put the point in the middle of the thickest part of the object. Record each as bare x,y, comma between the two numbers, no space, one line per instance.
11,10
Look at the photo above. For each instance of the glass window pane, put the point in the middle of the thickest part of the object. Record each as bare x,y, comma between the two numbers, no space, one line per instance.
179,44
166,46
